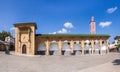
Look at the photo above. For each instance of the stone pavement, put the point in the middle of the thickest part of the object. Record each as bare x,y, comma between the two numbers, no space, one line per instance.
89,63
107,67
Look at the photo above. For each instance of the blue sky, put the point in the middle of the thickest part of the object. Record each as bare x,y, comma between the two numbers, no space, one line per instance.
62,16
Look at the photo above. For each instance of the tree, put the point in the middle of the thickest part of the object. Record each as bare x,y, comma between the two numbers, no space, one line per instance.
118,46
4,34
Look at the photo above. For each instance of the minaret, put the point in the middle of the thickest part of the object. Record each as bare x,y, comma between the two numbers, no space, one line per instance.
92,26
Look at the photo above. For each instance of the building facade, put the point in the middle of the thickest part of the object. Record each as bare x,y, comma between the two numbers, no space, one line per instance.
114,47
25,38
28,42
117,40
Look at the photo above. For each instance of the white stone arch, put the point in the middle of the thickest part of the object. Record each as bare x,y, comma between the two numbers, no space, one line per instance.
104,48
54,45
66,47
103,42
96,44
96,47
41,47
96,41
104,45
87,47
77,49
53,50
77,45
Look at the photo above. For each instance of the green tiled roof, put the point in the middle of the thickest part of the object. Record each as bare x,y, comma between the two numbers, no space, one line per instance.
69,35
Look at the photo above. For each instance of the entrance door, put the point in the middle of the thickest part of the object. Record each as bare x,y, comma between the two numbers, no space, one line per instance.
24,49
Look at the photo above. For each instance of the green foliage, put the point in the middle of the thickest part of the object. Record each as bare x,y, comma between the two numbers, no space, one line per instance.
4,34
118,46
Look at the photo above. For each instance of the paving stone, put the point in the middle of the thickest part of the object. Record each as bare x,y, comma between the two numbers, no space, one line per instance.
68,63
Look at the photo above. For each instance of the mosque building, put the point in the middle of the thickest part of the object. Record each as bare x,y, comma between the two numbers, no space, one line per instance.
30,43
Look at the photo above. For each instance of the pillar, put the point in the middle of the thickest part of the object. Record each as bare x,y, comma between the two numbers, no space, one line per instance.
47,43
92,45
29,45
29,48
19,42
71,45
82,45
100,41
32,39
107,46
60,47
16,40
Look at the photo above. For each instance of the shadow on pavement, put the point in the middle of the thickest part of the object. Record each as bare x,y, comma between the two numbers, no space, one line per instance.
116,62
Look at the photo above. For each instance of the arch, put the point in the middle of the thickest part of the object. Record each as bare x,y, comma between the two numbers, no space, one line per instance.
41,50
87,48
104,48
96,47
66,48
96,42
54,50
24,49
77,50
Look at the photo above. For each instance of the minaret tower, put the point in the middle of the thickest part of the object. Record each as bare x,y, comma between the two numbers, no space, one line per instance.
92,26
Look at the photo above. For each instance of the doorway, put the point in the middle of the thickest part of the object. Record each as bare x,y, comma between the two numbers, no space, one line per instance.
24,49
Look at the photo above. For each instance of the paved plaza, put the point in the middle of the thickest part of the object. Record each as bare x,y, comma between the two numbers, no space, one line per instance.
88,63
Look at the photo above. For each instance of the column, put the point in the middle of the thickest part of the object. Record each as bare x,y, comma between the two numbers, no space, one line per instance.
16,40
29,50
92,45
29,35
32,39
60,47
107,46
71,45
100,41
47,43
29,43
82,45
19,42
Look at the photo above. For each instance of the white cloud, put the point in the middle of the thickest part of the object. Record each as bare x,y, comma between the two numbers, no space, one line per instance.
105,24
111,10
13,28
53,33
63,30
68,25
